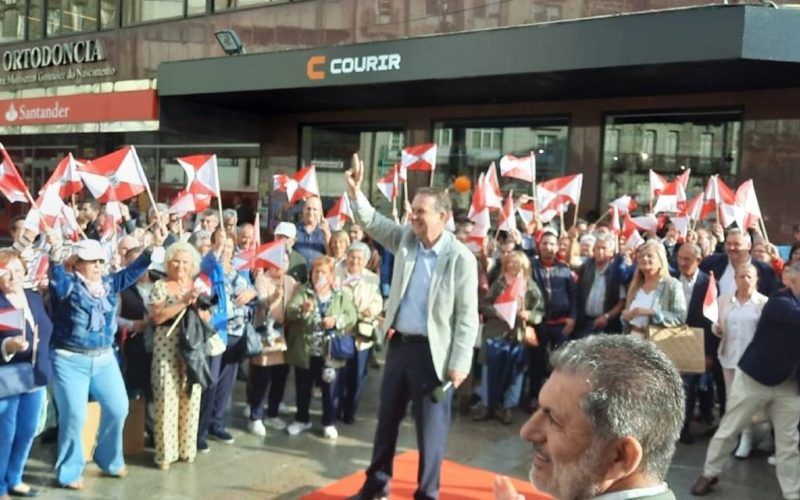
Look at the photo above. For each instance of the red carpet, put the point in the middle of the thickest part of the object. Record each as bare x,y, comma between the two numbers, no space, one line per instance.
459,482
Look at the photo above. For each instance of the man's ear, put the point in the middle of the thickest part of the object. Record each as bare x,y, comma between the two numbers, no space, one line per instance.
623,458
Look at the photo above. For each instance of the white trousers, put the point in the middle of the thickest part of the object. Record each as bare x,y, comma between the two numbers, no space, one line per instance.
782,404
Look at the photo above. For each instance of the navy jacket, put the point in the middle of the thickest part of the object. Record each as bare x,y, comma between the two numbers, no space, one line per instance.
768,282
44,366
559,290
774,354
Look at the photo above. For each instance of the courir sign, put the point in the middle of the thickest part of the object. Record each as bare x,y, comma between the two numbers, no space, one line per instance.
57,54
319,67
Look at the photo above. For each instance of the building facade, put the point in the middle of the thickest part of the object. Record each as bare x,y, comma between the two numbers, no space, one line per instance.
607,88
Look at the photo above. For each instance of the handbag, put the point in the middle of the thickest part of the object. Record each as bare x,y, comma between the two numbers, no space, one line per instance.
251,343
17,378
683,344
341,347
214,345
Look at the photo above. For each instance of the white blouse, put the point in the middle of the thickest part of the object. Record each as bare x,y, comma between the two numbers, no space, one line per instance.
644,300
740,327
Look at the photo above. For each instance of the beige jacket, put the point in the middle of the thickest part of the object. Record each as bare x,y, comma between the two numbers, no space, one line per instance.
265,287
453,293
367,297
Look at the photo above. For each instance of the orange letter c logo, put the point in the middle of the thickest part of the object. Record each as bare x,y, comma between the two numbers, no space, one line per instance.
311,68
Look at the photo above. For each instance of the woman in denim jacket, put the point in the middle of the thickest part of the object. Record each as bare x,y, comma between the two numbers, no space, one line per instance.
84,364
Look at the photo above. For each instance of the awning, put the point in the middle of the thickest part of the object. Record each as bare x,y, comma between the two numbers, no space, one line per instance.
701,49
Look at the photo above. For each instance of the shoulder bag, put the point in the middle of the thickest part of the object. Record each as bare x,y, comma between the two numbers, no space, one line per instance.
17,378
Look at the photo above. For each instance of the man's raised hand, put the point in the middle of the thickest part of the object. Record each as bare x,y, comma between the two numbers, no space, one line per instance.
354,176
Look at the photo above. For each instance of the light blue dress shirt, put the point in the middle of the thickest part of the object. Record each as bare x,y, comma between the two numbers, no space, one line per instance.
412,315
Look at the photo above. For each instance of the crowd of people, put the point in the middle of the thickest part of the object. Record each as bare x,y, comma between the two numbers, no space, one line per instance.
127,319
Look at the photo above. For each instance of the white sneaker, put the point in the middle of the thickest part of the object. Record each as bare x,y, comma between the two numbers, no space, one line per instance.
275,423
772,460
296,428
330,432
256,427
745,445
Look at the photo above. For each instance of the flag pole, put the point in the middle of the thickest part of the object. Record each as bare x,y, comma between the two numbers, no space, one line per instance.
602,217
219,191
533,186
561,217
763,229
146,182
575,216
38,210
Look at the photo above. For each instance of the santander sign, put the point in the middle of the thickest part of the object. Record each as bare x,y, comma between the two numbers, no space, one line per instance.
32,113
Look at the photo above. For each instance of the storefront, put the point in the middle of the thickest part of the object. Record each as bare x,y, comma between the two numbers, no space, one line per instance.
705,88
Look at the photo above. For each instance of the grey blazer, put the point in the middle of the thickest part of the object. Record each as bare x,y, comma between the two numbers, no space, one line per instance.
453,296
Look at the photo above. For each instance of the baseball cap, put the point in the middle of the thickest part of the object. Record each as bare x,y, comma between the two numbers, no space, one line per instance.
89,250
286,229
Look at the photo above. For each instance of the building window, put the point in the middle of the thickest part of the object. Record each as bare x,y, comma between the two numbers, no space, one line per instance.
140,11
35,11
468,147
384,11
433,8
688,141
220,5
329,148
546,13
109,17
12,22
76,15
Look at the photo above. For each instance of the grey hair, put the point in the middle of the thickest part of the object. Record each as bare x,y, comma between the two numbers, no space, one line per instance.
440,195
698,252
197,236
229,213
181,246
793,269
608,238
635,391
586,237
360,246
747,238
162,208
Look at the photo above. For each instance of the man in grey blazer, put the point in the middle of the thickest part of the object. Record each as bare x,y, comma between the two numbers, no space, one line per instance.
432,319
608,420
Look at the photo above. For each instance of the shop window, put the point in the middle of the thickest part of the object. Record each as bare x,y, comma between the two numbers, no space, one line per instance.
671,144
140,11
546,13
65,17
109,17
12,20
329,147
706,142
35,11
467,147
220,5
195,7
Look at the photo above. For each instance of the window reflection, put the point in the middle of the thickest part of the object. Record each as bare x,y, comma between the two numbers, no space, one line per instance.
139,11
668,143
468,147
239,4
12,20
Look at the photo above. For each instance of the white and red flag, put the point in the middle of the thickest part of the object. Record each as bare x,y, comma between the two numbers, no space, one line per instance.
625,204
389,184
480,230
681,223
421,157
523,168
11,183
340,213
647,223
566,189
478,204
672,198
186,202
202,284
657,184
526,211
111,221
710,303
616,226
202,176
69,223
507,221
117,176
271,254
746,198
633,241
300,186
507,303
735,214
494,197
12,319
694,208
66,176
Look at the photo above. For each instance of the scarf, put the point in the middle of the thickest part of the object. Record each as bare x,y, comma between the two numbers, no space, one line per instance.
95,288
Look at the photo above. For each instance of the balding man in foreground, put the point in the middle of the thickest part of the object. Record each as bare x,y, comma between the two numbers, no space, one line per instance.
608,420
